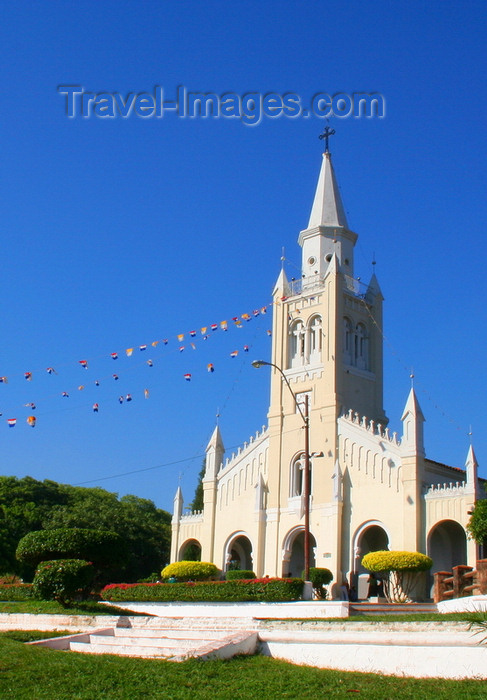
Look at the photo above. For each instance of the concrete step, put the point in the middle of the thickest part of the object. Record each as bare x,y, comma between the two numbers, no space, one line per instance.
373,608
167,633
136,641
107,641
122,650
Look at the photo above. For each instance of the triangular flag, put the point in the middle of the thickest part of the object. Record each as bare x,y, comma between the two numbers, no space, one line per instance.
129,352
84,363
11,422
210,367
114,355
187,377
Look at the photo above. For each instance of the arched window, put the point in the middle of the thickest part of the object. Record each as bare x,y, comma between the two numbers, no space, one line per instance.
296,344
314,343
361,347
348,354
297,476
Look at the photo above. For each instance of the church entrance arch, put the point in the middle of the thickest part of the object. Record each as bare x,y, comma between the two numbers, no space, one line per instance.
190,551
370,537
238,553
293,553
447,545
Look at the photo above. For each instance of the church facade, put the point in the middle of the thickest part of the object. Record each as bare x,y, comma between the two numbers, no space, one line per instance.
370,489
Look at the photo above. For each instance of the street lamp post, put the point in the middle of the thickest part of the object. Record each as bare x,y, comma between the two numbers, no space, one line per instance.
306,485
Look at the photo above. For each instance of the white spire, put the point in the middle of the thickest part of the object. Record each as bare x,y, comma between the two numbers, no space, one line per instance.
471,466
178,505
413,430
327,232
327,209
214,455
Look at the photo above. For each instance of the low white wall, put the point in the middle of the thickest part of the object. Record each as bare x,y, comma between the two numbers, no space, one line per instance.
413,661
472,603
300,609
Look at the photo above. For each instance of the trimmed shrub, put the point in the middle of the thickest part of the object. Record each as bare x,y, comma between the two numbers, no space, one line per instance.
258,590
239,574
104,549
63,580
396,561
399,571
16,591
190,571
319,578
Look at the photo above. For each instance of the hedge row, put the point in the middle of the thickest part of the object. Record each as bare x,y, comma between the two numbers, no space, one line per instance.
16,591
265,590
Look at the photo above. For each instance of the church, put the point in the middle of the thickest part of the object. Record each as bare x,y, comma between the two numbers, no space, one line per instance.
326,469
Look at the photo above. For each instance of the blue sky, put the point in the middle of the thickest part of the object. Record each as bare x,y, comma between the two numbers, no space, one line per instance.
121,232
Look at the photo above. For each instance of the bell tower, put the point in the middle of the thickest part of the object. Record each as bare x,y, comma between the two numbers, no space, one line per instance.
327,340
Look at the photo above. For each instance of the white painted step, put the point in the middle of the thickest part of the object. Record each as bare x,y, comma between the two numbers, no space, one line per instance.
149,651
166,642
166,633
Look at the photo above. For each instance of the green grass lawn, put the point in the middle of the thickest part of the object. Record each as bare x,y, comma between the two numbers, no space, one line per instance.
51,607
32,673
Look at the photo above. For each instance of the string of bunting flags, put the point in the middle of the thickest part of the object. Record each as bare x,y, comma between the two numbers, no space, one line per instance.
204,333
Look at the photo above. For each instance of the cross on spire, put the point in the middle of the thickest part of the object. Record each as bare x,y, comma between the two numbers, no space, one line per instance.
328,131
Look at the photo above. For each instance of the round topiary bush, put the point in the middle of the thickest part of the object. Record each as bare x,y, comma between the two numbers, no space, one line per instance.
190,571
63,580
319,578
399,571
104,549
239,575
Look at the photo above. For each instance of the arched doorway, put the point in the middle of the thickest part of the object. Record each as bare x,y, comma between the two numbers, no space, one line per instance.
190,551
293,553
238,553
447,545
370,537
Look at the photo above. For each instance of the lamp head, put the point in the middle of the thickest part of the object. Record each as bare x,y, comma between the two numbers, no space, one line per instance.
259,363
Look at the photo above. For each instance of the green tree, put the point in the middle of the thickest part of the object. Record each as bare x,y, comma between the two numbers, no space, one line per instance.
27,505
198,503
477,525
